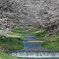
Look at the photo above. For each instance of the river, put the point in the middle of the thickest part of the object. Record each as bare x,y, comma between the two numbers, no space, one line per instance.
34,50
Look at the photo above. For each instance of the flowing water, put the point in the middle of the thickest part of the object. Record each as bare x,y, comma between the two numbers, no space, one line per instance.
33,49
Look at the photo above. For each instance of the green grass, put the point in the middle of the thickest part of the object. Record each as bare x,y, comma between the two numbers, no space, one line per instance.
16,32
51,45
11,41
51,41
7,56
41,34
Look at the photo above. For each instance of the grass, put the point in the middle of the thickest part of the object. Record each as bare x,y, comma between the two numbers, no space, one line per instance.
51,45
7,56
11,41
33,30
41,34
16,32
51,41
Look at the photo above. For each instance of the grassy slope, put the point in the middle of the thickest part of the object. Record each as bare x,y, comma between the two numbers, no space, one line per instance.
41,34
52,41
16,32
11,41
7,56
